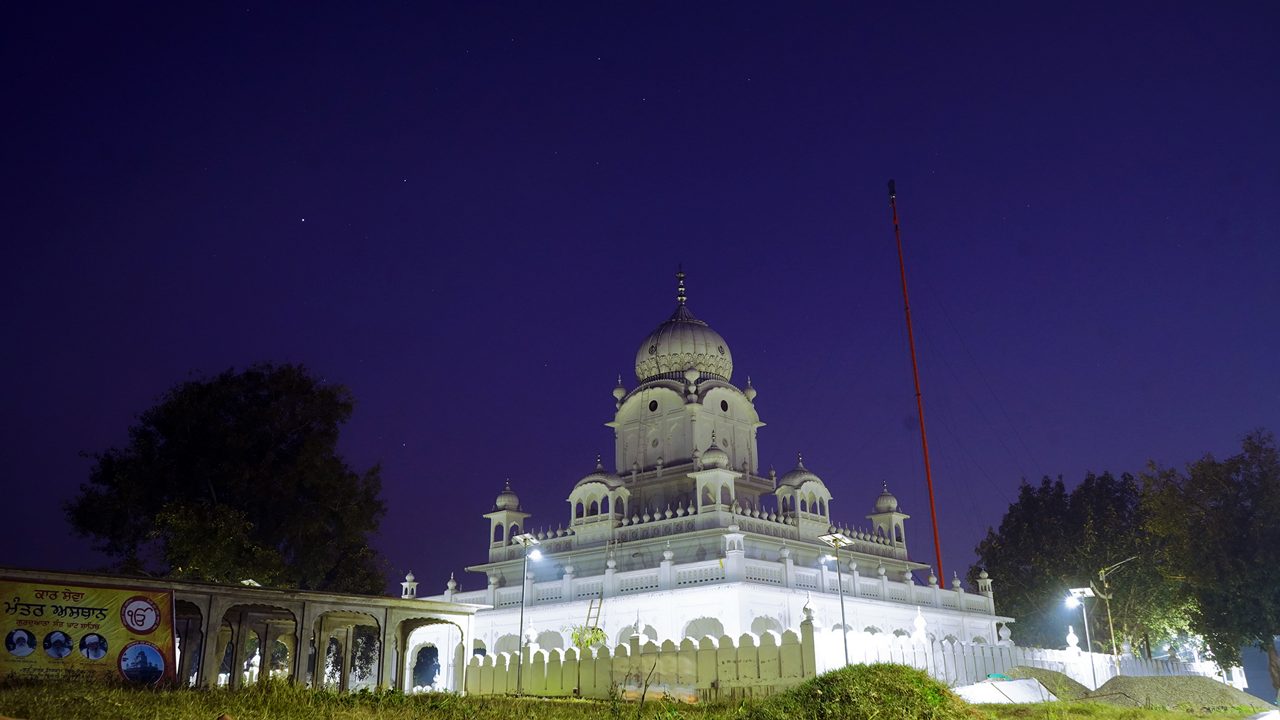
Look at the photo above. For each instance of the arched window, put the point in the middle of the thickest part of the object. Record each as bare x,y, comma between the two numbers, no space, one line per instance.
604,506
497,533
803,507
577,510
880,530
897,533
725,497
822,506
595,508
703,627
426,666
514,531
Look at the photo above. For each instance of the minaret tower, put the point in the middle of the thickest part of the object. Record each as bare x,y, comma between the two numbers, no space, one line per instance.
505,521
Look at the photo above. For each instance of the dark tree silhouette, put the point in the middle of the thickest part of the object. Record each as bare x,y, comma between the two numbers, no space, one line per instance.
238,477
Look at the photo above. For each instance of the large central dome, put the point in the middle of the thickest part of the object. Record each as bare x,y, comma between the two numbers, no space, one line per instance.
681,343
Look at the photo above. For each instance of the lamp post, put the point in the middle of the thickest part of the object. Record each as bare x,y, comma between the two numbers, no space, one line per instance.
1105,594
838,540
1074,599
527,540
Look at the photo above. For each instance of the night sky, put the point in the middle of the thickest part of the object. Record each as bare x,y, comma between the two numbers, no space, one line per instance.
471,216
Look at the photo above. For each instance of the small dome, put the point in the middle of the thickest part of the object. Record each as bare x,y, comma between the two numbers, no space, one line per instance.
683,343
886,502
601,476
507,500
798,475
715,457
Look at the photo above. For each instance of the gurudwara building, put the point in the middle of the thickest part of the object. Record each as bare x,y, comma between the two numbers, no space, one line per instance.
687,537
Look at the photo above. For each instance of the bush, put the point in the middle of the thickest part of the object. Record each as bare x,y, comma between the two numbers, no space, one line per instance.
866,692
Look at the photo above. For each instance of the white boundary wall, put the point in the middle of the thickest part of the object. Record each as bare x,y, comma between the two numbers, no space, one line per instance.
965,663
726,669
692,671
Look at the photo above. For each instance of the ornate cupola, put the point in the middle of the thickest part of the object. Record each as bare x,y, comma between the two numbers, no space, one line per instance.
802,495
887,520
506,519
684,369
596,502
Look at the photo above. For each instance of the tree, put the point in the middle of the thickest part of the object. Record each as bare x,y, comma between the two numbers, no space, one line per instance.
1050,540
1219,527
584,637
238,477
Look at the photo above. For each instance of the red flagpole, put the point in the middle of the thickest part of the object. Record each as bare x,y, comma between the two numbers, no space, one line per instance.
915,372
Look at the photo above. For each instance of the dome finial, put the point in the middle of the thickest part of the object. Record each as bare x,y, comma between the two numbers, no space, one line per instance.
680,297
799,459
599,463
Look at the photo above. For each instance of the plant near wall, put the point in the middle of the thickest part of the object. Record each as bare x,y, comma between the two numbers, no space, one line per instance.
584,637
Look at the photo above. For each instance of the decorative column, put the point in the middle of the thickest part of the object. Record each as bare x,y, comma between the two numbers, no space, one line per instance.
566,583
349,657
808,651
853,574
984,588
937,591
210,653
735,555
609,588
491,592
666,573
306,644
238,641
788,567
388,642
192,650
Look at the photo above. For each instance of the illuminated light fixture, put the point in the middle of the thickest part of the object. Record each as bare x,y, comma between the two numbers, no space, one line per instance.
1074,599
528,541
838,540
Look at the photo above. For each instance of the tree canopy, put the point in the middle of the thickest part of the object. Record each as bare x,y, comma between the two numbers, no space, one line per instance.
1051,540
1219,528
238,477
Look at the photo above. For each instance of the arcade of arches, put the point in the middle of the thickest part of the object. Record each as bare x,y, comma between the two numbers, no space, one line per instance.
238,634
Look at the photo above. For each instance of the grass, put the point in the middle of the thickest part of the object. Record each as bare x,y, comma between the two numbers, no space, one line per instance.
875,692
1102,711
881,691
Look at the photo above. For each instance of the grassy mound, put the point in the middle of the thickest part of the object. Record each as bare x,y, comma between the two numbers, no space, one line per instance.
1189,692
882,692
1062,686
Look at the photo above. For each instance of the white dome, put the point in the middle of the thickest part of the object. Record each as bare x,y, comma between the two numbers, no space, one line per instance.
507,500
681,343
798,475
715,457
609,479
886,503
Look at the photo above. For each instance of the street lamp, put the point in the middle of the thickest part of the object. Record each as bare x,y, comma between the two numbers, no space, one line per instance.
1106,594
1073,600
838,540
527,540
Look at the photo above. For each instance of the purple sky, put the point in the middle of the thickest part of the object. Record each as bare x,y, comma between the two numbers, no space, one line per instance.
470,215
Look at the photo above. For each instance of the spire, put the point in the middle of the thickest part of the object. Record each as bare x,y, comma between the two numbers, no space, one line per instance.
680,297
799,459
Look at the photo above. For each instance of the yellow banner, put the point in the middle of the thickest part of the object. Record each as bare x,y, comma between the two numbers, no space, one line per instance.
52,630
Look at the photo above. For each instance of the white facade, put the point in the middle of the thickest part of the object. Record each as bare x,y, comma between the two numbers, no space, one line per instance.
688,538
